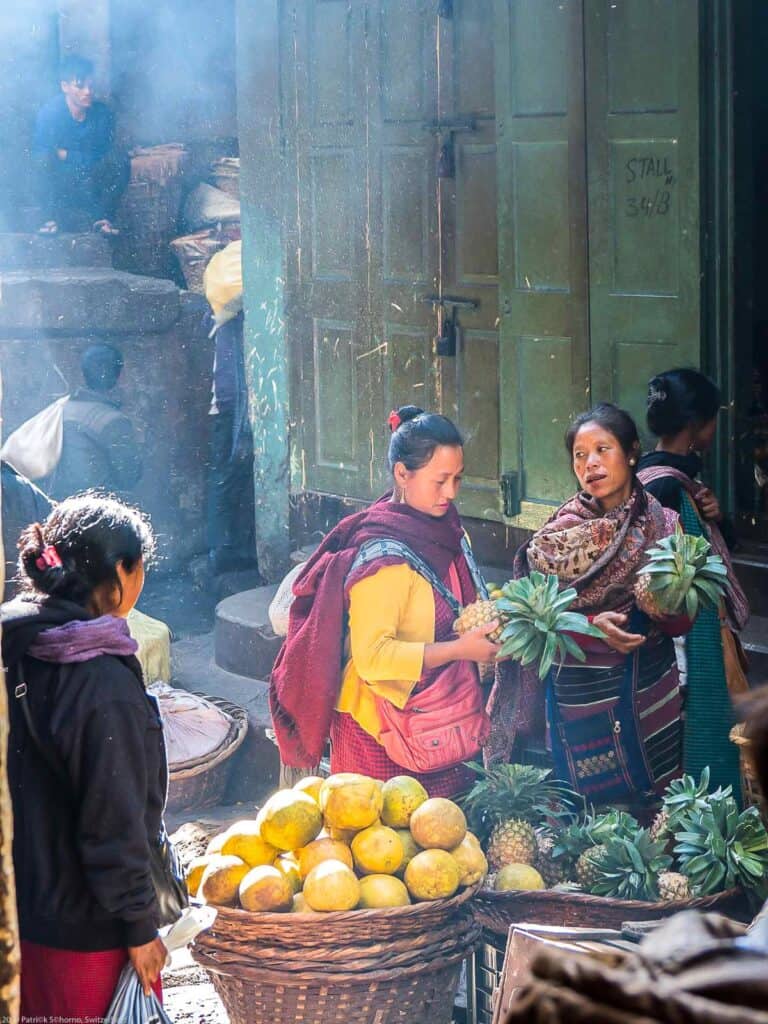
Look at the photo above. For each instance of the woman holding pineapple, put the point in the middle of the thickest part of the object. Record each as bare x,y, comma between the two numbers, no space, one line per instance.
683,406
613,719
383,590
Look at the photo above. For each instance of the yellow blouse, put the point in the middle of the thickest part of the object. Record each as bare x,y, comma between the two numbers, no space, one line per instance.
391,618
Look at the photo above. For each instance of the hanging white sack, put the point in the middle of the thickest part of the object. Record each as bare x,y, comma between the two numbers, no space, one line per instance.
34,448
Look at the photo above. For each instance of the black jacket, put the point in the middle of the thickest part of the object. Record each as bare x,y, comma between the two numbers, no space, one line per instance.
81,849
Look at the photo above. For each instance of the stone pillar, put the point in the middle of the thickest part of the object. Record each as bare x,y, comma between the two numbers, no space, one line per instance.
261,192
9,932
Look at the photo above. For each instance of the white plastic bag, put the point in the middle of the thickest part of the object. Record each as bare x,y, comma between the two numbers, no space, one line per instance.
280,607
34,448
207,206
129,1004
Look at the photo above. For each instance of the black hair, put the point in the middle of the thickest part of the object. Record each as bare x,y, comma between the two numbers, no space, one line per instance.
611,418
416,434
75,68
101,365
678,398
92,534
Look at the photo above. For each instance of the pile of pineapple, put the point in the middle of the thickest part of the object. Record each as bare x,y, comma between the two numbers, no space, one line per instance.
348,842
535,624
698,844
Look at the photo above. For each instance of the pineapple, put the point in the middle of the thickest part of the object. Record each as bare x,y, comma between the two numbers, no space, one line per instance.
588,834
552,869
628,868
680,576
504,805
718,847
588,866
478,614
534,621
660,827
512,842
673,886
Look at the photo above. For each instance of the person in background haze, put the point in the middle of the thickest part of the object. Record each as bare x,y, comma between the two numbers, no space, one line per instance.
23,503
99,445
81,175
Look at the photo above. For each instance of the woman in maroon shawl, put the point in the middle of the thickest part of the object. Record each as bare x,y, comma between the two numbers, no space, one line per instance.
613,721
372,620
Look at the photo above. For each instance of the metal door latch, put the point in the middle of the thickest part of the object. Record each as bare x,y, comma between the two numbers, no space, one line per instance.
445,344
446,158
510,493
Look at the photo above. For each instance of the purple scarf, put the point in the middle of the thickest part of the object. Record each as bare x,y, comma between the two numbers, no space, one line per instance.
83,640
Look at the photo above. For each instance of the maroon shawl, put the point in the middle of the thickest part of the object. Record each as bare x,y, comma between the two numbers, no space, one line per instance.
736,604
305,681
516,705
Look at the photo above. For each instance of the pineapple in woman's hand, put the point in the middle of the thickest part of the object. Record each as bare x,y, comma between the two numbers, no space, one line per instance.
681,576
534,621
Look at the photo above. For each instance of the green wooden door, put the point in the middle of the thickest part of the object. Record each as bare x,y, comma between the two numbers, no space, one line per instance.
642,89
544,343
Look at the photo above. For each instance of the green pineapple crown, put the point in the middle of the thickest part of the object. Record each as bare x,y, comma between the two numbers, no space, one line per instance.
593,830
685,796
537,622
628,867
506,791
684,575
718,847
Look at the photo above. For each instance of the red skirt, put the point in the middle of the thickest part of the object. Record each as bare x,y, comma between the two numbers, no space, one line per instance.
353,750
67,983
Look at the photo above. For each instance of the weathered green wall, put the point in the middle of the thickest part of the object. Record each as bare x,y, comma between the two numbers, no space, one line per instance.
261,189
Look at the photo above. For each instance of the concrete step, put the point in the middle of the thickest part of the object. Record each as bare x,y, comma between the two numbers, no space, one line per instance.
244,642
34,251
86,299
755,641
751,564
256,765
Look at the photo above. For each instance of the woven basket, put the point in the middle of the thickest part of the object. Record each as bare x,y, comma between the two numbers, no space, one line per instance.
225,174
194,253
362,967
201,783
496,911
750,787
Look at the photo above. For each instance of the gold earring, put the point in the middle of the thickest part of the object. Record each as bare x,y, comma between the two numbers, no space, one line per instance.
632,462
402,496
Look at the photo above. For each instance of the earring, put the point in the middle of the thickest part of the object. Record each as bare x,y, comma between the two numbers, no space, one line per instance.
632,462
402,496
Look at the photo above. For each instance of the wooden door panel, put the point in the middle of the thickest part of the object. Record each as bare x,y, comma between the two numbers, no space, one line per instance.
544,356
642,153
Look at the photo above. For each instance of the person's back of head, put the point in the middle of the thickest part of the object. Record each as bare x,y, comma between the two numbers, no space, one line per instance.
101,365
80,546
680,398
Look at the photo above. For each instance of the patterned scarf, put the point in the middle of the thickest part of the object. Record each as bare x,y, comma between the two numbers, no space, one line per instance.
598,553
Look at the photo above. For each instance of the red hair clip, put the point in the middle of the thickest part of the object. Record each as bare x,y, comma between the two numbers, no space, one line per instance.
49,559
394,421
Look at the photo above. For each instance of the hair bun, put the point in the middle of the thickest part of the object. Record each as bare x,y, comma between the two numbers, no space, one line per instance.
409,412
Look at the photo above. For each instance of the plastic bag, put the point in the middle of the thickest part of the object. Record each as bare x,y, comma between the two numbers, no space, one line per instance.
207,206
223,283
129,1004
280,607
34,448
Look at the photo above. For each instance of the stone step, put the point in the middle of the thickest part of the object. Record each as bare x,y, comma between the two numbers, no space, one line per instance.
751,565
34,251
244,642
256,764
755,641
86,299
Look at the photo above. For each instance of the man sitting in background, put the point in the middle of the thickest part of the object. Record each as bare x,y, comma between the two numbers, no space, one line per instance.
99,445
81,176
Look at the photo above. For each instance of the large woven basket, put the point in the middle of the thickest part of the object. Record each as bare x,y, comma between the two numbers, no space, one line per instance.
496,911
201,782
362,967
750,787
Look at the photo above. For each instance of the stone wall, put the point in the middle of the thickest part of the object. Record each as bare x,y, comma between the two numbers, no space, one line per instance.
165,383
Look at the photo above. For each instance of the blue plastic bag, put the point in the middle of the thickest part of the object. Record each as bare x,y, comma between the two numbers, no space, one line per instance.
129,1004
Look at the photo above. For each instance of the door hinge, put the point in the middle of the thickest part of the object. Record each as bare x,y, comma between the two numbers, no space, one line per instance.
510,493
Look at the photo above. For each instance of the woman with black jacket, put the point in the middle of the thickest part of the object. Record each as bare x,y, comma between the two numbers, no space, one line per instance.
86,760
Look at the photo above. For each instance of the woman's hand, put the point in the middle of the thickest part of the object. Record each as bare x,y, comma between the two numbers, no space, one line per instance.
475,645
615,637
148,960
708,504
